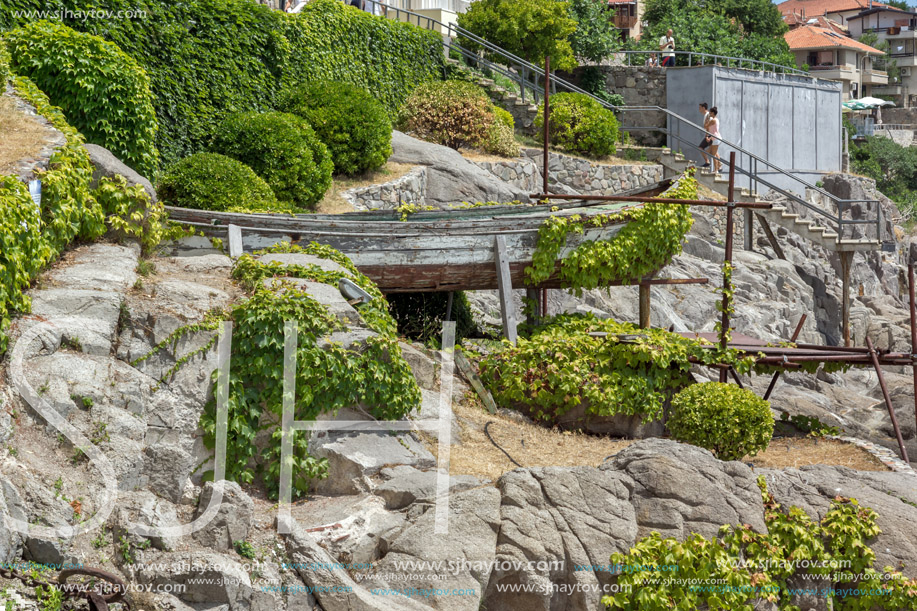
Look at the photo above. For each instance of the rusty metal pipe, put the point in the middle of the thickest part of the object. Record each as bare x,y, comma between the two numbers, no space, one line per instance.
796,332
727,283
653,200
913,303
888,400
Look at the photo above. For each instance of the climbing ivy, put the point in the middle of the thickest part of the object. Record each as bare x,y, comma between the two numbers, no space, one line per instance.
328,377
652,236
562,366
741,566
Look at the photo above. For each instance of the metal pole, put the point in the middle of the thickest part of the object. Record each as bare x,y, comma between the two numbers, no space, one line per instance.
774,379
547,115
913,300
727,284
888,400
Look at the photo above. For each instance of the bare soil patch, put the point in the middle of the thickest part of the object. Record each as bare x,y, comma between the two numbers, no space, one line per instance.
23,136
795,452
334,203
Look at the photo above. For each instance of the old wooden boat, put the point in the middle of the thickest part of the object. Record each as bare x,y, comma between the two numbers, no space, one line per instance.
428,251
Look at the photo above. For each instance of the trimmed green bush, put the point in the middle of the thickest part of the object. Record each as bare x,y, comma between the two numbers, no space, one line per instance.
452,113
501,138
729,421
283,150
580,125
348,120
207,59
207,181
103,92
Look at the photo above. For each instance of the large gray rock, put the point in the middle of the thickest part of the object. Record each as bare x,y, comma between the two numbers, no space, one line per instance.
106,165
233,520
328,296
166,469
217,579
352,458
145,509
406,485
451,179
892,495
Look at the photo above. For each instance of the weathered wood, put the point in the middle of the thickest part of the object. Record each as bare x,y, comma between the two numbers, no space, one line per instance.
846,262
749,228
505,288
645,289
766,226
235,241
468,372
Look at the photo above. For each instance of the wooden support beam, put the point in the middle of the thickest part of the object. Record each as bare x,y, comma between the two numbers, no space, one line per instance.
749,229
846,263
235,241
645,289
770,388
912,293
507,306
888,400
766,226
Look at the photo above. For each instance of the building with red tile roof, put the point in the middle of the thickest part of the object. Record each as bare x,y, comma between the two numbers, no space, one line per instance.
838,10
832,55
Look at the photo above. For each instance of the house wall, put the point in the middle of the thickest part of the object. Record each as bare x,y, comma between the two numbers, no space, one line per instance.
792,121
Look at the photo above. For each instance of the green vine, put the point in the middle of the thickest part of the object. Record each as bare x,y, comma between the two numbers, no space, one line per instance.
562,366
652,236
742,566
728,304
329,376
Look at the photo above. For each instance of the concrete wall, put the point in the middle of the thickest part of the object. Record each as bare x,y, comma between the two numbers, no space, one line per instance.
792,121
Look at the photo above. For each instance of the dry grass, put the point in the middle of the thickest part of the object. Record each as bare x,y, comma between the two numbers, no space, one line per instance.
537,446
23,136
333,203
787,452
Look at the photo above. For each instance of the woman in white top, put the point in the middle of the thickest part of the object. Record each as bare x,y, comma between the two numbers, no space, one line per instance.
713,128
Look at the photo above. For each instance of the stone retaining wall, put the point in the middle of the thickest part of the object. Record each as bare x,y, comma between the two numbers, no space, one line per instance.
590,178
717,217
408,189
54,139
523,173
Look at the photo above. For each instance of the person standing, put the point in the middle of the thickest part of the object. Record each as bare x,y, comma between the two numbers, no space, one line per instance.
713,128
652,62
707,140
667,47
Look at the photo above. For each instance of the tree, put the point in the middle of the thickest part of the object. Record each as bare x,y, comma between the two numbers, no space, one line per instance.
751,29
596,36
902,4
531,29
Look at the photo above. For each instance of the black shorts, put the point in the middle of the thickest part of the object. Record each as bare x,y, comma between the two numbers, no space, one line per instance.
705,142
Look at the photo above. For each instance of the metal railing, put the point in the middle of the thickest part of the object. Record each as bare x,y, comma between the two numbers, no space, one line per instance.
691,58
754,167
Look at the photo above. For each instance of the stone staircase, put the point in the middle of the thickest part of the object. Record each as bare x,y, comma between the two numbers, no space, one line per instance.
813,230
524,113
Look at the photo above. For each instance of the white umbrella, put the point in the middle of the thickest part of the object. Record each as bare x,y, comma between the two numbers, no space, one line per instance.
872,102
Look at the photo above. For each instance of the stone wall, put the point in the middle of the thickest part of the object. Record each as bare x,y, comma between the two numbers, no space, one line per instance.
575,175
904,137
408,189
26,169
902,116
640,86
717,217
523,173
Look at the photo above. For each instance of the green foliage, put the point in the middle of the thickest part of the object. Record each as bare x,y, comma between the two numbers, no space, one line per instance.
593,81
751,29
4,64
729,421
531,29
31,237
49,598
580,124
348,120
741,567
651,237
129,212
328,377
561,367
283,150
596,36
104,93
420,316
244,549
892,166
207,181
809,424
500,138
452,113
208,58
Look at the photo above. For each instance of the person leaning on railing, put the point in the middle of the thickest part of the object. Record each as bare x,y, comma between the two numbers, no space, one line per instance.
667,47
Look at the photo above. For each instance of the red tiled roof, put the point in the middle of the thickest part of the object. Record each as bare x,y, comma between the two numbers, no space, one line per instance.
795,20
813,8
814,37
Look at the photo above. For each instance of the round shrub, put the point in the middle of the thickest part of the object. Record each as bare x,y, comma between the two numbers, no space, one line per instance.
501,139
103,92
283,150
207,181
452,113
729,421
580,125
348,120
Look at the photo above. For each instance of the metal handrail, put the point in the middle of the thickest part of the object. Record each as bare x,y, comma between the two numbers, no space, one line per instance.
517,73
716,59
